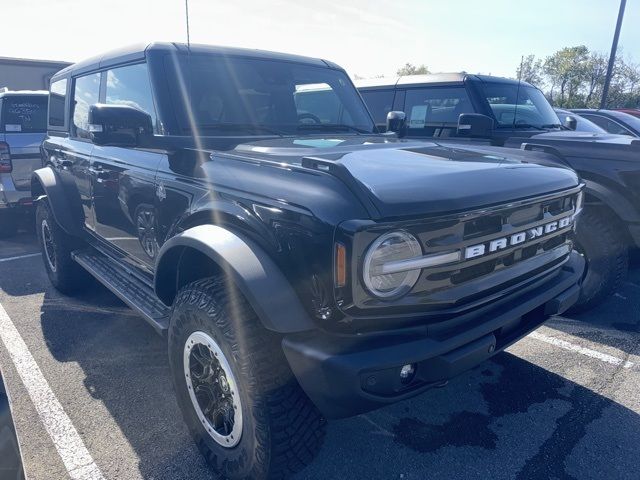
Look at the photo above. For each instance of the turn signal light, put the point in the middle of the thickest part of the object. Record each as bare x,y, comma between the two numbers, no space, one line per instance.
341,265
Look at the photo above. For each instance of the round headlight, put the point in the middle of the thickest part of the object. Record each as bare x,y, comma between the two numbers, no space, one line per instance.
385,251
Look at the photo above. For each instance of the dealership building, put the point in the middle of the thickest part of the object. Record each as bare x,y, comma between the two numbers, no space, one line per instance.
27,74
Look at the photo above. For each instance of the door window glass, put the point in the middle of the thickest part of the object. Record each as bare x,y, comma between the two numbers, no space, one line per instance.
87,91
380,102
428,107
57,100
609,125
130,86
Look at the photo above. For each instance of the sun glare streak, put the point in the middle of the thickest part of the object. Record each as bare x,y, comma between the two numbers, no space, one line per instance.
216,218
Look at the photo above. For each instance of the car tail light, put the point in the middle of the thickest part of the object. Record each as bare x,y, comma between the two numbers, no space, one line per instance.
5,158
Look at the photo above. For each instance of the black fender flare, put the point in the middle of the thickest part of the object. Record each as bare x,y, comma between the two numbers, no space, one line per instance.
614,200
45,183
255,274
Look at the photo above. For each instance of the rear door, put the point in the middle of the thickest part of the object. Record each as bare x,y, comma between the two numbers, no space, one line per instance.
23,120
123,179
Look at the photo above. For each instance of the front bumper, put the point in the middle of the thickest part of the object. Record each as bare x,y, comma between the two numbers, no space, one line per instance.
345,375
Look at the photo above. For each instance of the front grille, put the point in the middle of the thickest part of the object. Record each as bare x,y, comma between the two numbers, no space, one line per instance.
496,224
478,278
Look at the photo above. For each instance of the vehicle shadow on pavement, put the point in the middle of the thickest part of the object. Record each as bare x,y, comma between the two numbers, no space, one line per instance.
509,418
126,368
20,277
615,322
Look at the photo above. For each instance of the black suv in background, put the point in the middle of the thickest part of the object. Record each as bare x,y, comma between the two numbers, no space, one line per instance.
301,265
498,112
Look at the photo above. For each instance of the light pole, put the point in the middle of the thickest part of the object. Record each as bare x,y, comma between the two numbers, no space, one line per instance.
612,57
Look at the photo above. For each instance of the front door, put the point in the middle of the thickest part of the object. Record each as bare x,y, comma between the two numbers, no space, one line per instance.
123,179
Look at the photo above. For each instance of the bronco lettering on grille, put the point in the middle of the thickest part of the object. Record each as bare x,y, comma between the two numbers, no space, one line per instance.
517,238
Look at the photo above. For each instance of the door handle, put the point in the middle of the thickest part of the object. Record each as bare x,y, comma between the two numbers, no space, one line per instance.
99,173
65,163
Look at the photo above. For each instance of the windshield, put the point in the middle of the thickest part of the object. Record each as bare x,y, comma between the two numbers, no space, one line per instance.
524,106
237,96
24,114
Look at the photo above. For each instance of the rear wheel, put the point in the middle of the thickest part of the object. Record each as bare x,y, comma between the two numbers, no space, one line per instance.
56,246
243,406
8,223
603,246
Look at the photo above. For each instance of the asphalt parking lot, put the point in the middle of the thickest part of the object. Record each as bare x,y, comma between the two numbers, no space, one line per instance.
563,403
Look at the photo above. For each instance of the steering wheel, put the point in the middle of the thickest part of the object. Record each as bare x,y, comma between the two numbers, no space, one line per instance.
308,116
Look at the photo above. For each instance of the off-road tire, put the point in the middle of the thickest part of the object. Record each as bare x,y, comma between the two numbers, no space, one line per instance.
8,224
64,273
607,258
281,429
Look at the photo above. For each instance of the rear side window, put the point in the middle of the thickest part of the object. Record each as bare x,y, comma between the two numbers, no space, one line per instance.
24,114
130,86
380,102
86,93
57,103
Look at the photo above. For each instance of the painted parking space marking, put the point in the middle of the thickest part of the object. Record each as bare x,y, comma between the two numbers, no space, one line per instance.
75,456
20,257
604,357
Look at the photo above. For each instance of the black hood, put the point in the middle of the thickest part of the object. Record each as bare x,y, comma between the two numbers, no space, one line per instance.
401,178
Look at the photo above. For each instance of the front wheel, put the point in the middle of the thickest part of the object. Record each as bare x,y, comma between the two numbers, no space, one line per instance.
244,409
606,255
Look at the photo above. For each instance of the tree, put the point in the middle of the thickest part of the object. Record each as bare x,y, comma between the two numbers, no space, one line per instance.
595,73
530,70
410,69
566,70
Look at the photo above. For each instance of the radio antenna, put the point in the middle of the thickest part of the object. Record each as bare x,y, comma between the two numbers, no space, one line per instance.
515,110
186,11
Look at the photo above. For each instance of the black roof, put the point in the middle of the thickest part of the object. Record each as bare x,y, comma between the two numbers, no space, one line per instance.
138,52
457,78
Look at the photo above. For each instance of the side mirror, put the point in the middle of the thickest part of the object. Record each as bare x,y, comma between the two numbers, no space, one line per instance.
118,125
397,123
571,122
474,125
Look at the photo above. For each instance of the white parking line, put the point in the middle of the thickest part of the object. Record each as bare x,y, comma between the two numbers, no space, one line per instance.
65,437
604,357
19,257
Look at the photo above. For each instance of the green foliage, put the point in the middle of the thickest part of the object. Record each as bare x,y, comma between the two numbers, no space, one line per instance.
410,69
573,77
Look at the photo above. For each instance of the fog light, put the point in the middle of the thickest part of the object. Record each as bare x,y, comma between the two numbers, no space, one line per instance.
407,372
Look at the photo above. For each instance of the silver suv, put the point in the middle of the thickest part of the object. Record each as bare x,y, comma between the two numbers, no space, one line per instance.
23,124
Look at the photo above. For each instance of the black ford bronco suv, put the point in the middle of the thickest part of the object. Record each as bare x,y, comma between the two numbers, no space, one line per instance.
301,265
494,111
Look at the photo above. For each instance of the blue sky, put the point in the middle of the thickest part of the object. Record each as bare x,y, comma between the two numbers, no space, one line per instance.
367,37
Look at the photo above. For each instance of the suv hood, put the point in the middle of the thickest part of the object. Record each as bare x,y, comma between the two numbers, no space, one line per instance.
570,136
406,178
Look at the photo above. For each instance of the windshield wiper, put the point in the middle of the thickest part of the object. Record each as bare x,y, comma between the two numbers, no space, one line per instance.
241,126
528,125
331,126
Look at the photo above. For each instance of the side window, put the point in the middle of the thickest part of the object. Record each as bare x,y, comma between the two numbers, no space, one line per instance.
427,108
57,103
130,85
609,125
86,93
380,102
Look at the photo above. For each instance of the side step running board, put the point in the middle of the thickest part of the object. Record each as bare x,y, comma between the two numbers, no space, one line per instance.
130,289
